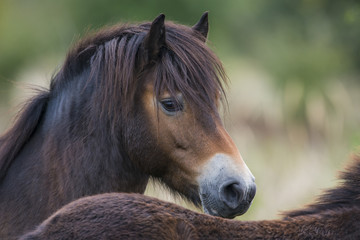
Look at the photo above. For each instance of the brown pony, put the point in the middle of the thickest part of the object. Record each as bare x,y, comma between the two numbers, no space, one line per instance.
336,215
129,103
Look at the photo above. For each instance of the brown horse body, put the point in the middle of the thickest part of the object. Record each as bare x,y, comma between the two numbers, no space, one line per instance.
129,103
336,215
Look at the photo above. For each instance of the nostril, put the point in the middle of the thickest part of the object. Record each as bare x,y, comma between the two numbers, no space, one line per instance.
232,194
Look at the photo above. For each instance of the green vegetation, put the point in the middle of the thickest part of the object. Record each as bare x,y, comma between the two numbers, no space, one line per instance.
293,66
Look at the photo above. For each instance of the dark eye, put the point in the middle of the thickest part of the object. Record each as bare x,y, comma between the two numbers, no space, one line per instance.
171,105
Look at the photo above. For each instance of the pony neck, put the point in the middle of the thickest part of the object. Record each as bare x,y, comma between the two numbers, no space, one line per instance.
78,139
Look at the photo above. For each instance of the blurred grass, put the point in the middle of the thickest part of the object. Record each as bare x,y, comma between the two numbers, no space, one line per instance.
293,66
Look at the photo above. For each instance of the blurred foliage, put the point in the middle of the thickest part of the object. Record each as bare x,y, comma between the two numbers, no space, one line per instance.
307,41
294,66
264,30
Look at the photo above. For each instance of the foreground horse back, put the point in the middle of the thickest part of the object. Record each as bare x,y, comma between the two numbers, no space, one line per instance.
133,216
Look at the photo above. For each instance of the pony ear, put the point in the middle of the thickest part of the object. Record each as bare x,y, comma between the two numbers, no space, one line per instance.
202,26
155,38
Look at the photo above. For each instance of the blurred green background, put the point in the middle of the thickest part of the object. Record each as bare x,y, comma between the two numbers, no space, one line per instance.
294,69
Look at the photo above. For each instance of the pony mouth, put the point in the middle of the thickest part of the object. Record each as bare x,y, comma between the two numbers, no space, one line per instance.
214,212
213,209
208,206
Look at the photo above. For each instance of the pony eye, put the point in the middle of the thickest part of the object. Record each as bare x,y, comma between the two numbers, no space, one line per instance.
171,105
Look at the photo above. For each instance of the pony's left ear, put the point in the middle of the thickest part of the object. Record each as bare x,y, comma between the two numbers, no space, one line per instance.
202,26
155,38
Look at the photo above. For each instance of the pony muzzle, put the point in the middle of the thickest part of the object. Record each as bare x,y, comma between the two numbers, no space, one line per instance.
226,188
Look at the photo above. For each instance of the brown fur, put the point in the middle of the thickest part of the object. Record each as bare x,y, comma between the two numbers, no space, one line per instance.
133,216
90,132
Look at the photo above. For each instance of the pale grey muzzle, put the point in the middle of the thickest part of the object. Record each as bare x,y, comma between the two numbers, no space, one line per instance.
227,188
